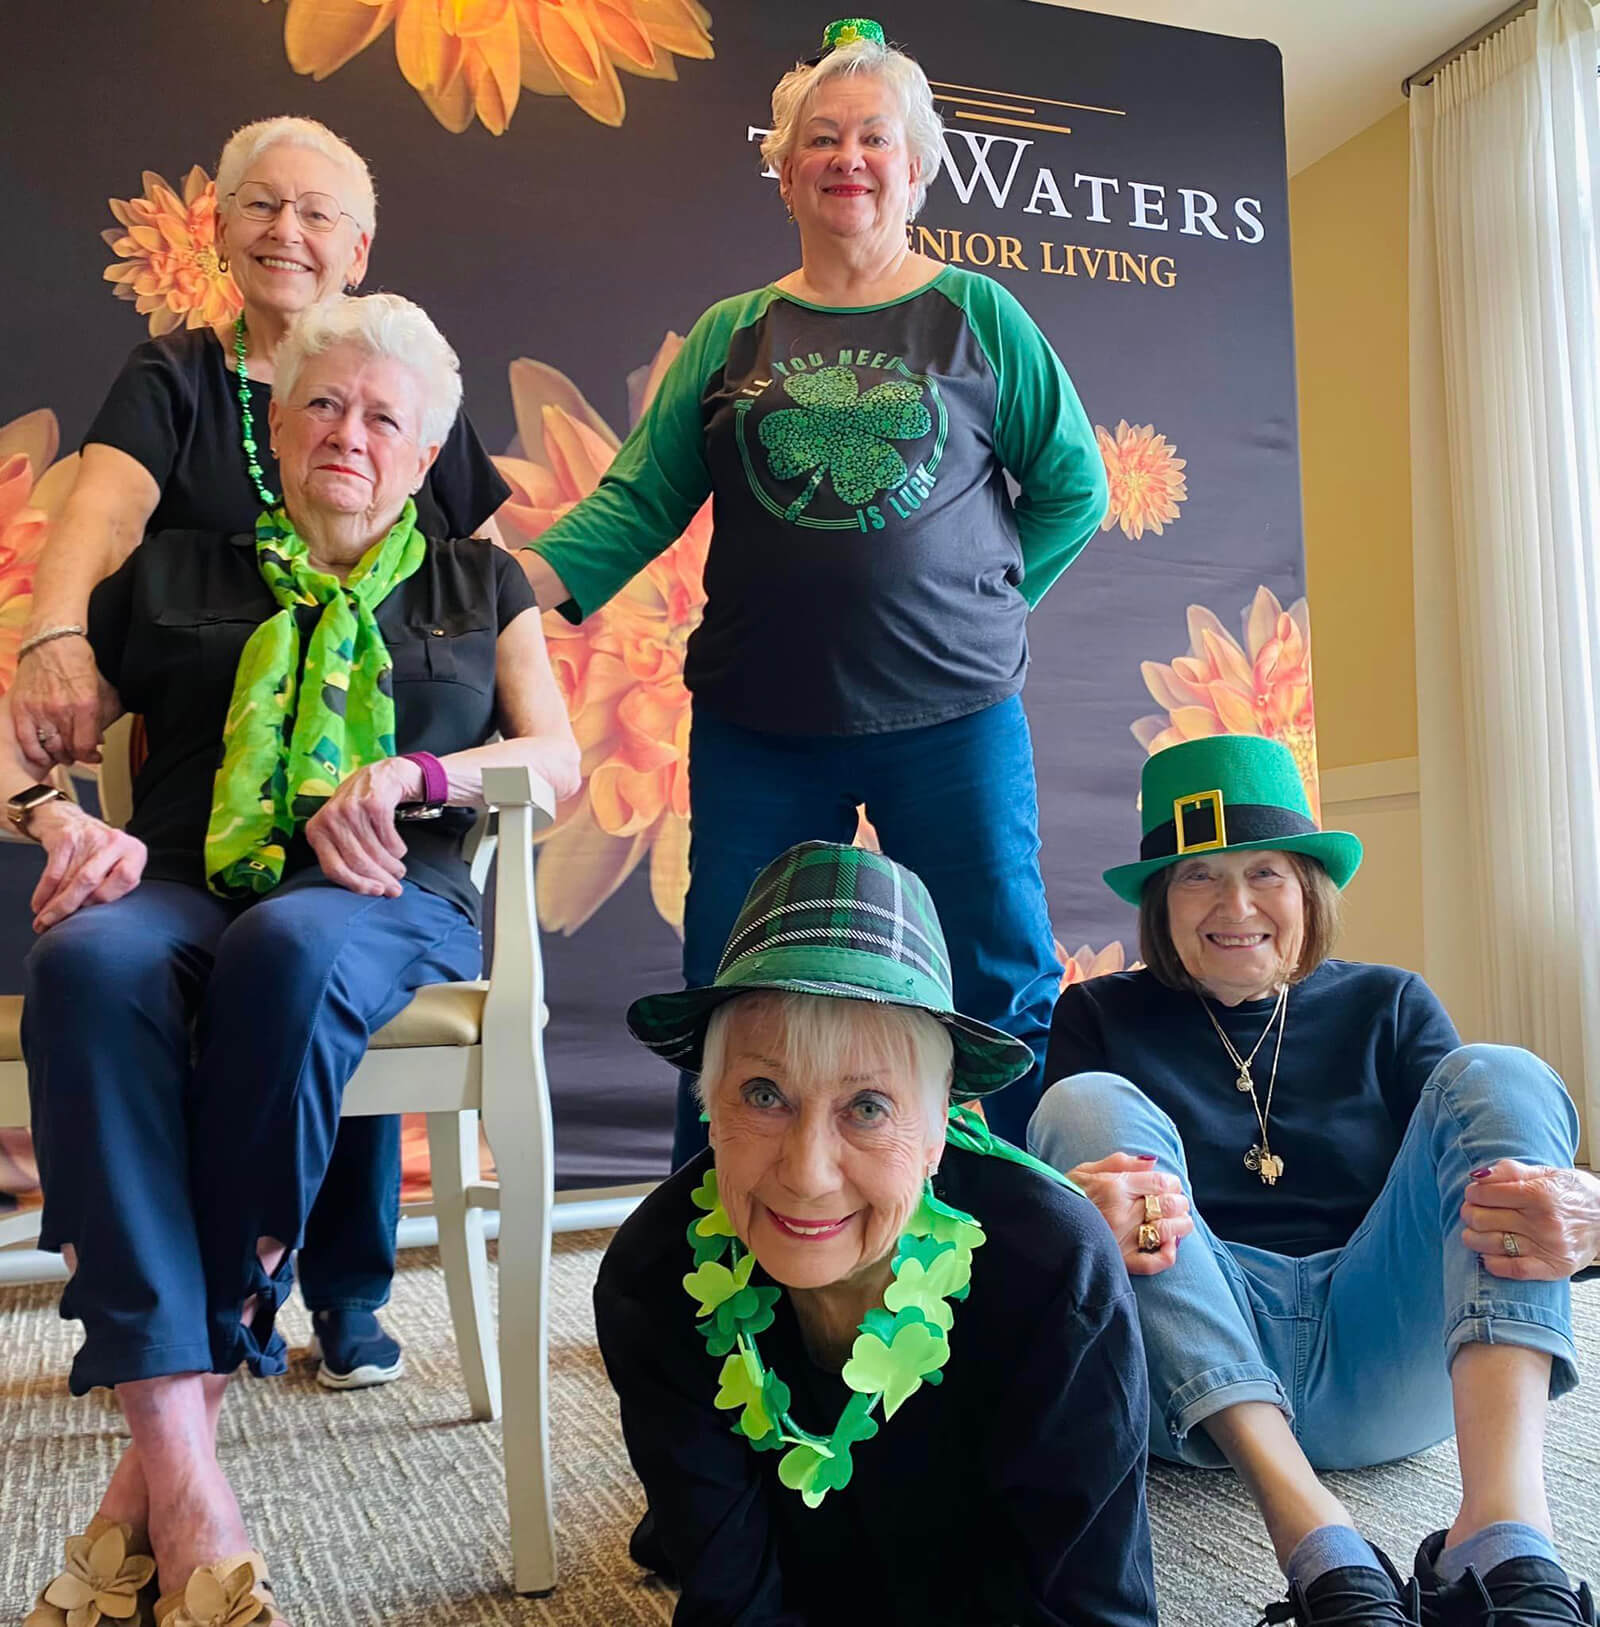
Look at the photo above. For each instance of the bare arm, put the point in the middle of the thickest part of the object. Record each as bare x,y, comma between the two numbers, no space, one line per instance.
56,696
86,860
548,588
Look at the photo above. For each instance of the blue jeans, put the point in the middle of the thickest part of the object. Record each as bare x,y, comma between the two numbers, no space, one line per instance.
1353,1345
955,802
187,1058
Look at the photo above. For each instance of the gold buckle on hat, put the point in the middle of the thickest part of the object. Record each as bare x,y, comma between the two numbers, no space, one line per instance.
1191,805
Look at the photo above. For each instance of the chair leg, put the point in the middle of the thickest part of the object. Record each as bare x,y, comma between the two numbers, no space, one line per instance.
453,1162
521,1150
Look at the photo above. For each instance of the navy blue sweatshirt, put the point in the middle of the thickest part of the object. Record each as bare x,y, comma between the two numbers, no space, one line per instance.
1359,1044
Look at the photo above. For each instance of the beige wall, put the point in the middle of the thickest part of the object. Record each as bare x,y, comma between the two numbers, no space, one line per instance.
1347,216
1348,221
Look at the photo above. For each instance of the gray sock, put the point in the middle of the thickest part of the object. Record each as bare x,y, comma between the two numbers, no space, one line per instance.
1493,1545
1326,1549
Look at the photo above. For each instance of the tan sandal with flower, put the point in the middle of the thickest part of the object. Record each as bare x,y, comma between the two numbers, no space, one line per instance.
109,1577
230,1593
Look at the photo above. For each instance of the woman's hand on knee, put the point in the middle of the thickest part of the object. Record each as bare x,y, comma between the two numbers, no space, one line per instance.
1118,1186
86,862
353,833
1553,1215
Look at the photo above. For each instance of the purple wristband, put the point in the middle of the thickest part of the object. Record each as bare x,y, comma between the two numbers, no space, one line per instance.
435,783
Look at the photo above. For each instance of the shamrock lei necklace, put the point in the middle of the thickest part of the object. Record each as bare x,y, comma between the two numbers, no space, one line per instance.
901,1345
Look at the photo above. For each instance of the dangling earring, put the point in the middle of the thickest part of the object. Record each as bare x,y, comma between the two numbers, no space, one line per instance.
222,262
788,209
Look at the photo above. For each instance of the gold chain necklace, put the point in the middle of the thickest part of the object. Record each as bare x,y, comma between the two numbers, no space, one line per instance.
1261,1159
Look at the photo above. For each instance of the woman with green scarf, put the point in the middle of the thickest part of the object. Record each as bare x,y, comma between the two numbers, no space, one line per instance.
204,983
875,1365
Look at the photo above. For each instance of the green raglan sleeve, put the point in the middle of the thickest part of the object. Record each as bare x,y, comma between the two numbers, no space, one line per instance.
656,483
1042,435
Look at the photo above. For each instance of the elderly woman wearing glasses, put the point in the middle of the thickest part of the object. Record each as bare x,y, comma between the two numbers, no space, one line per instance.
305,685
181,443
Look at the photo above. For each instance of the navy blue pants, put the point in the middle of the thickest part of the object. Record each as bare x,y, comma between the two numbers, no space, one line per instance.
955,802
186,1062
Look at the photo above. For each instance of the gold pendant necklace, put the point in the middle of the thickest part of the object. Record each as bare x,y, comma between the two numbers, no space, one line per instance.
1260,1159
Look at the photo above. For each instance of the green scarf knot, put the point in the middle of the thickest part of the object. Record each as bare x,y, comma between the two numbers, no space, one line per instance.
283,756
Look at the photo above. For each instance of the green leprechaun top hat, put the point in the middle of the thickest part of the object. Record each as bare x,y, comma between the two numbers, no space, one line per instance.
1224,794
841,921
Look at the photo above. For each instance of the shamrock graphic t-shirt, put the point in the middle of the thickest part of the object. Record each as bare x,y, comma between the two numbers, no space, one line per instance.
868,569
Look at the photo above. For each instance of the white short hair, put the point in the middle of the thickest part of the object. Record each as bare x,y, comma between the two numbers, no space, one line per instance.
821,1034
381,325
924,127
246,145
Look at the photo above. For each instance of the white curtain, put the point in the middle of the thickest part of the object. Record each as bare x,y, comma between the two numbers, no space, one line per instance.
1505,453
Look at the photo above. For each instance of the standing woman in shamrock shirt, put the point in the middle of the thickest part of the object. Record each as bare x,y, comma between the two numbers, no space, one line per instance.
869,578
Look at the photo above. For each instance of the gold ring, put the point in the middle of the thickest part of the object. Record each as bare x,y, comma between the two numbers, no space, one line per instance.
1508,1241
1149,1238
1152,1206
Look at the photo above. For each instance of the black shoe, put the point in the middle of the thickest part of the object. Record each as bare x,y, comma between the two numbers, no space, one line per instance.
1524,1592
1351,1596
356,1353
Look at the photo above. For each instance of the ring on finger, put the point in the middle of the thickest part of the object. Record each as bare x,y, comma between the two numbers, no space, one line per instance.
1150,1238
1508,1241
1152,1206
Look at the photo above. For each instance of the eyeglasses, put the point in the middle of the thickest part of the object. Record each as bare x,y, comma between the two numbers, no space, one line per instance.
317,212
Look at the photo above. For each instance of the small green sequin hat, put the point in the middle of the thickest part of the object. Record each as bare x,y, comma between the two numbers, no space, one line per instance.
844,922
847,30
1222,794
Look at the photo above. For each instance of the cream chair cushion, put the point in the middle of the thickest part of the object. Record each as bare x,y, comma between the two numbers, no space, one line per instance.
10,1027
439,1014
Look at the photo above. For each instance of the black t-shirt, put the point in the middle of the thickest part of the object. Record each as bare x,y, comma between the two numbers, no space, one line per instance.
1359,1043
175,408
168,629
1011,1494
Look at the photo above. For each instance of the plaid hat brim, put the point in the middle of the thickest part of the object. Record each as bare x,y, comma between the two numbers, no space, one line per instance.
674,1027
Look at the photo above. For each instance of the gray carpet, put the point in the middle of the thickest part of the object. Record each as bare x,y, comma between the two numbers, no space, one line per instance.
387,1505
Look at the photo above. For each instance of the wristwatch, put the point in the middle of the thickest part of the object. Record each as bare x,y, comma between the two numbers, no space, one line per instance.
22,805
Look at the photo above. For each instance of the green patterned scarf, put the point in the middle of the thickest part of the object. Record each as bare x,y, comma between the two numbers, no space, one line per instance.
281,760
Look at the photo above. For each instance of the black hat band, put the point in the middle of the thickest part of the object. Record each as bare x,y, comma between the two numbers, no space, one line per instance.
1208,826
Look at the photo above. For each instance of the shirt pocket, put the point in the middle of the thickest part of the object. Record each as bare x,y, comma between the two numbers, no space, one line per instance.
206,641
458,648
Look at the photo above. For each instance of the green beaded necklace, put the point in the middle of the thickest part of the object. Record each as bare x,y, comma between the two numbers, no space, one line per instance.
246,420
899,1347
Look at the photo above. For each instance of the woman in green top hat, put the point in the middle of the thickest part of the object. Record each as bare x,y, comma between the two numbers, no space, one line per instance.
869,580
874,1366
1349,1234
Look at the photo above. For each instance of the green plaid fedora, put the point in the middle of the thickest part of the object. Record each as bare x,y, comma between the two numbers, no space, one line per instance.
841,921
1221,794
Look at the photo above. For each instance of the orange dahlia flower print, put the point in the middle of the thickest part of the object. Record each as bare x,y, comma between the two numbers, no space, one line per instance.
167,249
33,488
1147,479
1221,686
620,671
1084,962
472,59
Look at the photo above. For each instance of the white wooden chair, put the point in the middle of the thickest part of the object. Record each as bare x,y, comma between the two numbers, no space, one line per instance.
458,1051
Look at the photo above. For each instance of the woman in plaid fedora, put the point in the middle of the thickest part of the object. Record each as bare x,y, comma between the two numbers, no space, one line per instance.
874,1366
1348,1232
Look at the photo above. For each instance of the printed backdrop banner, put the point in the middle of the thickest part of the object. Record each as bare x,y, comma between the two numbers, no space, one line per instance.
565,188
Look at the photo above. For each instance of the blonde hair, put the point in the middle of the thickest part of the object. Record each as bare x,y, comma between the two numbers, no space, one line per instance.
924,127
823,1034
381,325
247,144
